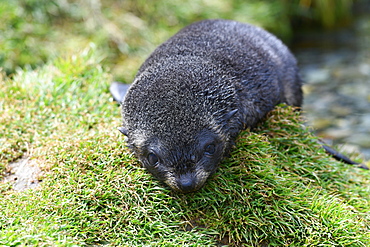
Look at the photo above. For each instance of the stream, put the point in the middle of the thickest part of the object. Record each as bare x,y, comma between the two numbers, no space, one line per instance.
335,67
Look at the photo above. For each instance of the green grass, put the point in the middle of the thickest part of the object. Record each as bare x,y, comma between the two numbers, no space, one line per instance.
33,31
278,188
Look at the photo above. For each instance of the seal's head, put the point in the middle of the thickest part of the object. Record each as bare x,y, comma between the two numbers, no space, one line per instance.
177,127
185,166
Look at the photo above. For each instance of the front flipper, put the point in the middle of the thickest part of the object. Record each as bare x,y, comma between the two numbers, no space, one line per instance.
343,158
118,90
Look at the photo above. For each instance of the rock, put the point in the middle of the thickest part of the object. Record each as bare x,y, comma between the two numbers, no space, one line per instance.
364,69
338,133
23,174
316,76
360,139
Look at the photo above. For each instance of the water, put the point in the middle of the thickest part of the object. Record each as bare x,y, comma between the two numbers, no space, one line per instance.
336,69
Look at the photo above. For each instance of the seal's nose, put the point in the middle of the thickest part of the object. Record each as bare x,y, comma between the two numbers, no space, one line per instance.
186,183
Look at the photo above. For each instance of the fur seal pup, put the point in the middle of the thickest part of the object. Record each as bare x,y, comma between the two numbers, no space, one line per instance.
197,91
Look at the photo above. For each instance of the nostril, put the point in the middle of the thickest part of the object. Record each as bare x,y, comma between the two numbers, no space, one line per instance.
188,166
193,158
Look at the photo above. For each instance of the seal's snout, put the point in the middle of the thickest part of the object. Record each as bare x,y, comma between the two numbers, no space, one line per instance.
187,183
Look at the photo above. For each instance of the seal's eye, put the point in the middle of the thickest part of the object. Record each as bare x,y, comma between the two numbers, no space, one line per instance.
210,149
153,159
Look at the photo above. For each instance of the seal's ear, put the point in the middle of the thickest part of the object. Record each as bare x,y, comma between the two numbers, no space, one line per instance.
123,130
118,90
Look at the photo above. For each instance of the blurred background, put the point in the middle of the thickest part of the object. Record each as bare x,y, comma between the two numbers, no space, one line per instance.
331,39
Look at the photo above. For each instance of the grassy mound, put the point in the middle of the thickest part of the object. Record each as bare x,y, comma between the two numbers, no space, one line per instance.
277,188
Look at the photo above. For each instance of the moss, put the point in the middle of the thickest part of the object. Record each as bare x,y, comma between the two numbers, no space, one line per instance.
277,188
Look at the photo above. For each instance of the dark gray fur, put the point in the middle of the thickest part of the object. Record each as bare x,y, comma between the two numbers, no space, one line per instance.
198,90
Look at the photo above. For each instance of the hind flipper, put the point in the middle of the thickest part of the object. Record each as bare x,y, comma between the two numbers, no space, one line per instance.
343,158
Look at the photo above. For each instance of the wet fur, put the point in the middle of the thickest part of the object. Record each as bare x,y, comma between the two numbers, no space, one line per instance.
198,90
